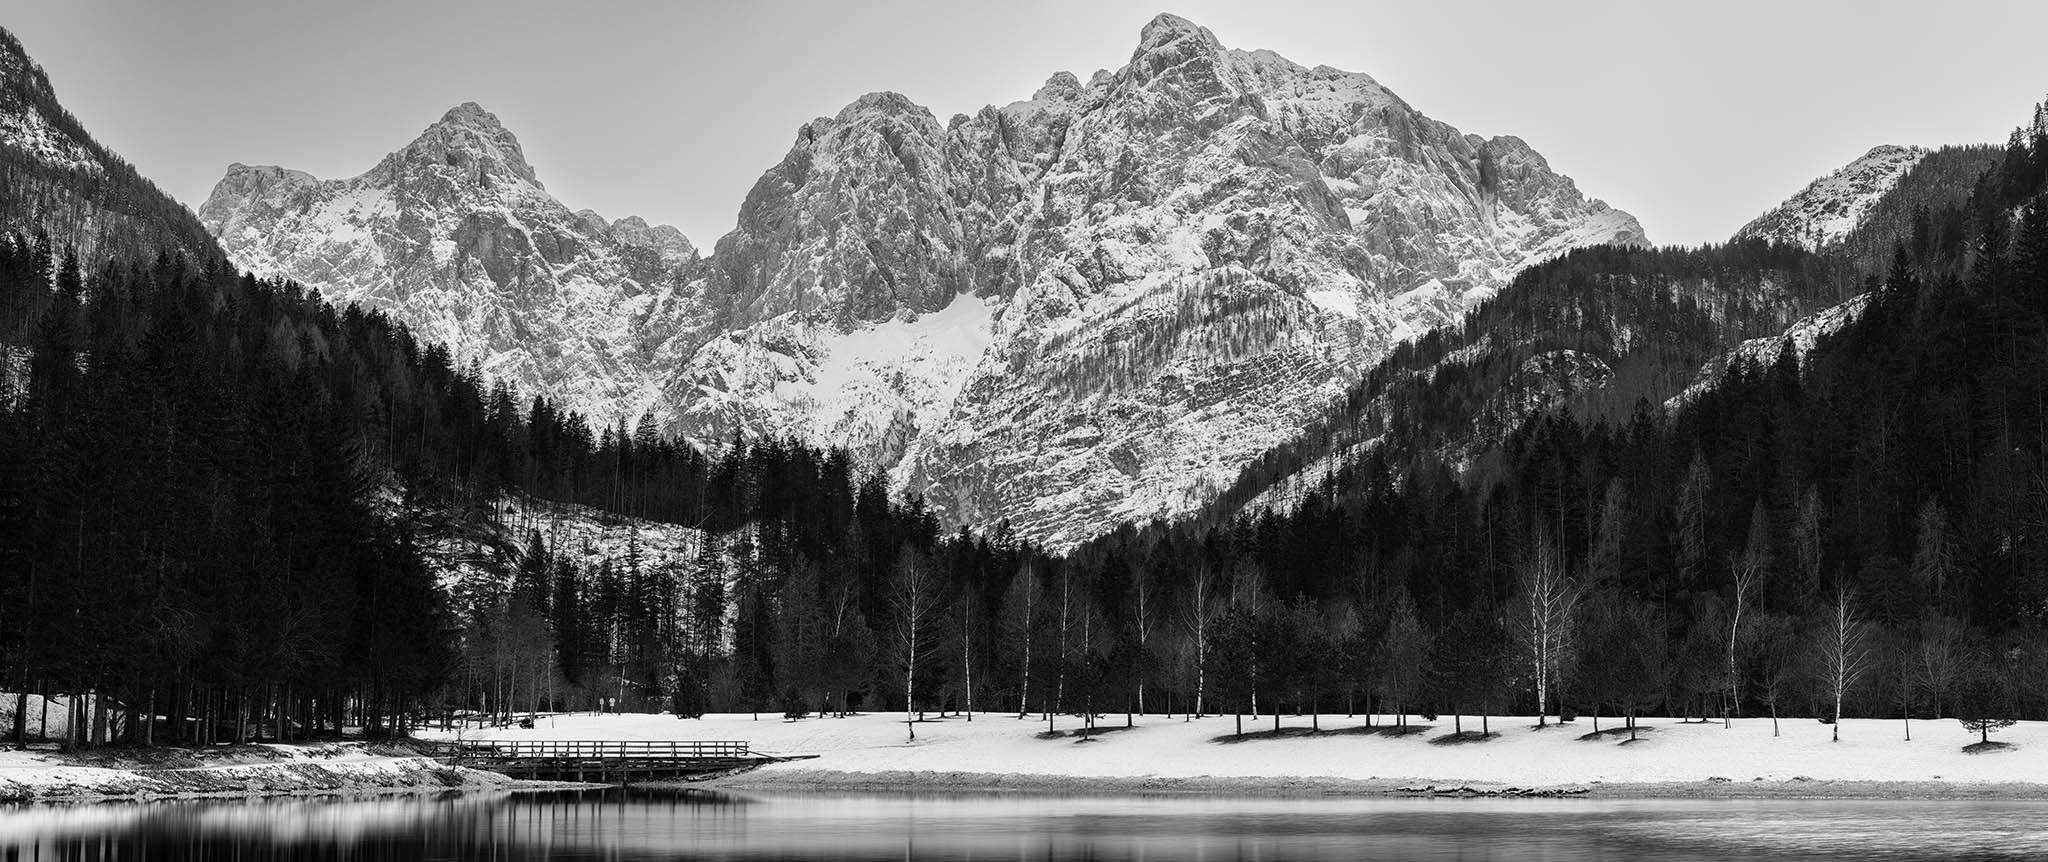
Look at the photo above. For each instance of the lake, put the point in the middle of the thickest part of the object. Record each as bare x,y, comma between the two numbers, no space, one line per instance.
645,825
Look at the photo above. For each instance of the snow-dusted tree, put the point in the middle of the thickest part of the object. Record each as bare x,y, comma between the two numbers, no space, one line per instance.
918,608
1846,652
1543,620
1748,570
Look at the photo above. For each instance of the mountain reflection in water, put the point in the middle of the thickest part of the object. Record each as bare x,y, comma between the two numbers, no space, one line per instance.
646,825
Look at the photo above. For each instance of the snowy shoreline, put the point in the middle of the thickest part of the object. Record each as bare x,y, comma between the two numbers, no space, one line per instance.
1000,753
915,783
245,772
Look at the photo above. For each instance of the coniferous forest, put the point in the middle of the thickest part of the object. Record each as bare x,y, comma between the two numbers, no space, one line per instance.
211,528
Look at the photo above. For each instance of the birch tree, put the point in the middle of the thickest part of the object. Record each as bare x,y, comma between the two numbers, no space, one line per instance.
1749,570
1544,620
915,599
1197,610
1846,652
1023,617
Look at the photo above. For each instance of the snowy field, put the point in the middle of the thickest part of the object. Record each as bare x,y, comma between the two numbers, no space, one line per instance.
996,751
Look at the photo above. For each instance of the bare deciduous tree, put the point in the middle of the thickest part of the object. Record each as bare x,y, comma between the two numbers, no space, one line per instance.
1198,610
1749,569
1846,652
1544,619
916,601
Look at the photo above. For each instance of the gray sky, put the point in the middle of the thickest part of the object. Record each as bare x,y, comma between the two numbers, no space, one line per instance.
1695,116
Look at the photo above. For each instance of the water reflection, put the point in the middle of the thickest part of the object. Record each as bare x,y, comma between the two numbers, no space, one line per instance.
647,825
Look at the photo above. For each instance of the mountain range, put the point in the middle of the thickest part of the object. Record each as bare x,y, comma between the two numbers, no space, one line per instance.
1089,306
1115,301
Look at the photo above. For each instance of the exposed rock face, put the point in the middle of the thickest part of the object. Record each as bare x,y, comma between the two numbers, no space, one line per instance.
456,236
1169,270
1826,211
1090,306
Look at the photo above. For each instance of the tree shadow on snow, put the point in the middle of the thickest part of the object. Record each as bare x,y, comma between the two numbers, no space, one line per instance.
1294,732
1079,735
1988,747
1464,737
1604,733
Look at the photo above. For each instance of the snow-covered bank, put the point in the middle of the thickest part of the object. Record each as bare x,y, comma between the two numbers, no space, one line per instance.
1671,758
241,771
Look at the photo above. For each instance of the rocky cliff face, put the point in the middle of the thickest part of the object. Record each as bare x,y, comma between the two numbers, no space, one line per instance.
456,236
1826,211
1089,306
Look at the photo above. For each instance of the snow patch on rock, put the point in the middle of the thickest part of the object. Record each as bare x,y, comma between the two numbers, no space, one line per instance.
1819,216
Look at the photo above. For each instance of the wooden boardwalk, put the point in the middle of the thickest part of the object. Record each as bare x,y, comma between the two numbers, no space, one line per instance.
606,761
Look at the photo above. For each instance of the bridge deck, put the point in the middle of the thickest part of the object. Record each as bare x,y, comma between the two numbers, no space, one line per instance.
606,761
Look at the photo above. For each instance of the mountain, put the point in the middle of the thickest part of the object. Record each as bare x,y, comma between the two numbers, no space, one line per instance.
1916,210
1096,304
456,236
1824,212
1093,305
54,177
1602,331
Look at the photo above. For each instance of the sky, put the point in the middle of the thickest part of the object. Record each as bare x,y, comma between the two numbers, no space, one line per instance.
1694,116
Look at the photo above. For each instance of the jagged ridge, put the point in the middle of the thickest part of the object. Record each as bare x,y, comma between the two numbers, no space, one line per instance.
456,236
1090,306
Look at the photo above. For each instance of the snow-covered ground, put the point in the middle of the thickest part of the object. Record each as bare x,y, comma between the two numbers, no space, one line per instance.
997,750
240,771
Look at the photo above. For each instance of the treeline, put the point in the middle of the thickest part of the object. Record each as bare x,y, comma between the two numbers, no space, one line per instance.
212,497
208,531
1861,531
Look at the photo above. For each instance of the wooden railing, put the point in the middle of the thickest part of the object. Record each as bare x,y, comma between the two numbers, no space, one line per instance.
587,750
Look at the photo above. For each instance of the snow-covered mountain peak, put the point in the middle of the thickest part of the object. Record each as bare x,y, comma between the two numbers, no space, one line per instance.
885,106
1824,212
1167,29
1179,61
468,143
1093,305
453,235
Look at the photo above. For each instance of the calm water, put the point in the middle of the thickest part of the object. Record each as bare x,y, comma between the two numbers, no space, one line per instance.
620,825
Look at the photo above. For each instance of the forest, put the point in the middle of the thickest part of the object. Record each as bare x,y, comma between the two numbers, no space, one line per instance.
210,530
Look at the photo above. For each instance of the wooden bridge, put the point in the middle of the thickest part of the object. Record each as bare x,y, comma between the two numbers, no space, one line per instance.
606,762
